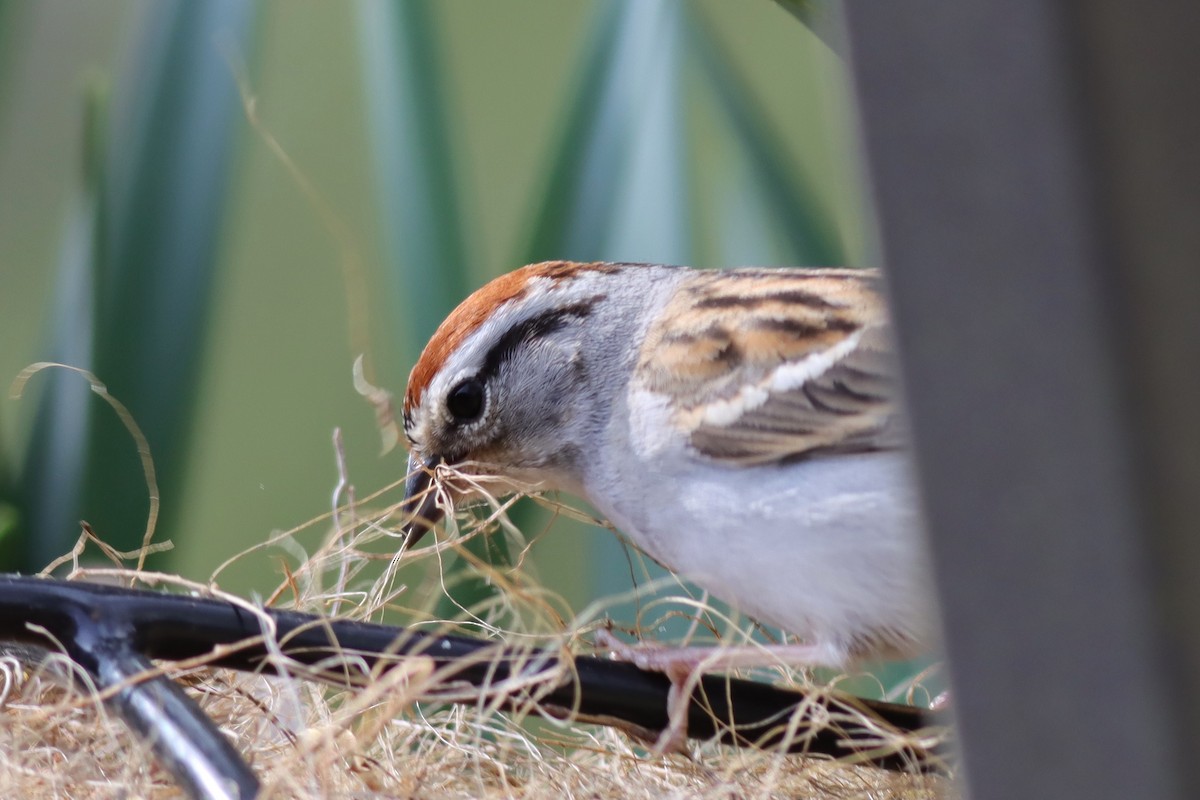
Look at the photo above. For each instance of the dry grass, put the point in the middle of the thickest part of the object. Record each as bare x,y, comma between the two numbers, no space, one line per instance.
56,742
311,740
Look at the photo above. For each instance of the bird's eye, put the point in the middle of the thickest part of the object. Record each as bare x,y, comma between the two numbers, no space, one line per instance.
465,401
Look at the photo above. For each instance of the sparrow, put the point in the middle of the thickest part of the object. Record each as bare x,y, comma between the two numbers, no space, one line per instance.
740,426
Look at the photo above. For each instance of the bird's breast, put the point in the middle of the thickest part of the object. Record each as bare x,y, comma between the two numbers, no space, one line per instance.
829,548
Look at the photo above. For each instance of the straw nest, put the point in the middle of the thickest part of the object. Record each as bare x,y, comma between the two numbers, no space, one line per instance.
309,739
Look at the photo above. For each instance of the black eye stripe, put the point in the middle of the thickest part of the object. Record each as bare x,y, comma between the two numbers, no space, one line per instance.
529,330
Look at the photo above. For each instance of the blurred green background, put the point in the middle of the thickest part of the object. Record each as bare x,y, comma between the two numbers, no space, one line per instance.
150,232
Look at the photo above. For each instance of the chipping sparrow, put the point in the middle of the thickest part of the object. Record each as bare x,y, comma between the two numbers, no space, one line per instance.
740,426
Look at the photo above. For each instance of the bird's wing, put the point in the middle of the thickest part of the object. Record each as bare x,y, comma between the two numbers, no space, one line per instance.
770,365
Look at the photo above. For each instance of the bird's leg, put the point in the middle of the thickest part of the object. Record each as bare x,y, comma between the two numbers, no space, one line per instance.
662,658
683,665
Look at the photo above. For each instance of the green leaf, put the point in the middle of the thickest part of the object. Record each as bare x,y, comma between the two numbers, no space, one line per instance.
53,472
413,151
788,204
617,186
144,235
573,216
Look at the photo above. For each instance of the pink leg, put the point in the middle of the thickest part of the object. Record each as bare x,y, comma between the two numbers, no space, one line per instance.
681,664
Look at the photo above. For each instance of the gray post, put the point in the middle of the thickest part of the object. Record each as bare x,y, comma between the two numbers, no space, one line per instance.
1036,165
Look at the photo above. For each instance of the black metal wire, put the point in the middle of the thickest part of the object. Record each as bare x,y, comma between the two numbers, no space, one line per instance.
103,640
111,631
186,740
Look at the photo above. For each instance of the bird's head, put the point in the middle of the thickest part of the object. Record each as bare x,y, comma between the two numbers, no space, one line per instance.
501,388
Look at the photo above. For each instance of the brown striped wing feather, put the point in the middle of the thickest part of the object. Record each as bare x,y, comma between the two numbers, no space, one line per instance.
771,365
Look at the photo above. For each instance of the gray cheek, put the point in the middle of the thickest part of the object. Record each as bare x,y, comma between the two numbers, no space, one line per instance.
536,399
529,411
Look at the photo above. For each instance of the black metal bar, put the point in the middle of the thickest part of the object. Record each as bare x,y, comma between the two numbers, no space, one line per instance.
179,627
157,709
183,737
1036,173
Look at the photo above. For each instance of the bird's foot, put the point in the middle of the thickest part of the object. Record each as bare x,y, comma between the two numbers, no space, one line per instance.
683,666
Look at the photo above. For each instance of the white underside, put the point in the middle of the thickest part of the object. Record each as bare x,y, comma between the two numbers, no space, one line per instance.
827,548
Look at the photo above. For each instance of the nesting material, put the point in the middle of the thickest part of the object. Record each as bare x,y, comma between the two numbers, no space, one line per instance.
388,738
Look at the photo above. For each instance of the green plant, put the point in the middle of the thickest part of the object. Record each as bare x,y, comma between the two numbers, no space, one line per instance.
136,274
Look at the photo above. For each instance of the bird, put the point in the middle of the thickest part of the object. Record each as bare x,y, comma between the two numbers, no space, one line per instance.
742,427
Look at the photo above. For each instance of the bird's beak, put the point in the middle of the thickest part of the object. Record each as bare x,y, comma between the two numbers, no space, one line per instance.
420,499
